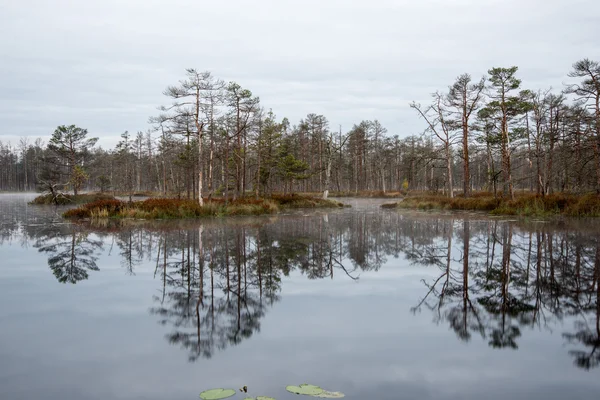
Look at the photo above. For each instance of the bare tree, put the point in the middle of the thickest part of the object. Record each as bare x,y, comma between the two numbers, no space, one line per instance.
437,117
331,149
588,90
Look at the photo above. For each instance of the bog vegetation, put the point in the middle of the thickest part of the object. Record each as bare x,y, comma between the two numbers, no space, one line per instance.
523,204
161,208
214,139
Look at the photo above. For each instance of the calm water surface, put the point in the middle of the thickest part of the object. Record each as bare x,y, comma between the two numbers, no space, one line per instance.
376,303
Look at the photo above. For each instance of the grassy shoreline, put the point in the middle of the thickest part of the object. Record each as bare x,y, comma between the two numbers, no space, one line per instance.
165,208
529,205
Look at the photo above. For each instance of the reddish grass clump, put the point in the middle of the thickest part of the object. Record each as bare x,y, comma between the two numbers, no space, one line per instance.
110,206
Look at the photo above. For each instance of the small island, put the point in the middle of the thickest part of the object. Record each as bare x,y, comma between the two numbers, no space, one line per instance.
165,208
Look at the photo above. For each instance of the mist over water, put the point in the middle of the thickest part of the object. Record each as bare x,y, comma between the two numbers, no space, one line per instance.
374,303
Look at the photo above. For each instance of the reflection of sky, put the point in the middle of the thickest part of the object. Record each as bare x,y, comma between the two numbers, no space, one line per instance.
97,340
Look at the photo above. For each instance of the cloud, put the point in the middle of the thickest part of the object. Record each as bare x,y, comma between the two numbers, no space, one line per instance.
104,64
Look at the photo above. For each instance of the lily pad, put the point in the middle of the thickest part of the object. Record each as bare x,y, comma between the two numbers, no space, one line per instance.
216,394
259,398
330,395
307,390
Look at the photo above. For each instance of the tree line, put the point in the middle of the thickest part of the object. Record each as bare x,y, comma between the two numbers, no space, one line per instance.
214,138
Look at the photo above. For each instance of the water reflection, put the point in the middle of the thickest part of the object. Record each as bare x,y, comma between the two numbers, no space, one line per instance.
488,280
71,251
219,279
502,277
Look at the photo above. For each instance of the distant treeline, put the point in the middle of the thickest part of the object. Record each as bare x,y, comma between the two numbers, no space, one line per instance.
216,138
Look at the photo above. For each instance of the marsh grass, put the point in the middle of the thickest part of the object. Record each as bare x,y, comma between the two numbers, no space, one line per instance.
524,205
163,208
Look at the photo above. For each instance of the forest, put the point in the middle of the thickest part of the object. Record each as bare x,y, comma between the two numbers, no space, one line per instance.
214,138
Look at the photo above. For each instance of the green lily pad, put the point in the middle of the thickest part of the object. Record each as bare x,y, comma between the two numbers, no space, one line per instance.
216,394
307,390
259,398
330,395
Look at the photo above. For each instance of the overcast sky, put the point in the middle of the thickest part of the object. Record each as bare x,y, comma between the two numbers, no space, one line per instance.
103,64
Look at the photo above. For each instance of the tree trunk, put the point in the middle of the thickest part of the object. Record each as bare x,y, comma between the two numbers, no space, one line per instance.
506,167
328,162
200,199
449,168
540,186
211,161
597,146
548,184
236,152
466,172
257,189
226,173
244,166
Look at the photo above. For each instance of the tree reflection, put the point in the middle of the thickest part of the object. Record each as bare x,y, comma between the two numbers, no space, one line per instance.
584,304
219,282
496,278
501,278
493,280
130,249
71,254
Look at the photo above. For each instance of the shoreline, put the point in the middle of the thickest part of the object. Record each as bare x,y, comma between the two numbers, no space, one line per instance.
524,205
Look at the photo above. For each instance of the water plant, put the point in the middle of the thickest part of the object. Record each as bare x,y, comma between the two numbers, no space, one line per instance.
330,395
314,391
217,394
305,389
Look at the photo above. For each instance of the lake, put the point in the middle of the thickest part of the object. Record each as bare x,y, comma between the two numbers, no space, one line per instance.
377,304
